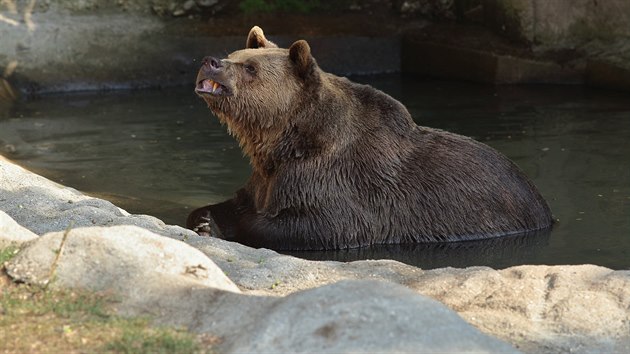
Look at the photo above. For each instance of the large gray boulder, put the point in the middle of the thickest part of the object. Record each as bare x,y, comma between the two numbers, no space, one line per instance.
362,317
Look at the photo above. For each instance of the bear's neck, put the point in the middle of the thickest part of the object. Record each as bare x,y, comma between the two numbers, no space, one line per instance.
260,158
256,143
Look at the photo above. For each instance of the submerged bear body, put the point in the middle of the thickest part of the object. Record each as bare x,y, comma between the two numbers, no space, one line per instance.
340,165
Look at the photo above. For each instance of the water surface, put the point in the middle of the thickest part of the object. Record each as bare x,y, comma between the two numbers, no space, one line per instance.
162,153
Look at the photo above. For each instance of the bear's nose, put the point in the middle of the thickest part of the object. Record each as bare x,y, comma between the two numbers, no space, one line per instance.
212,63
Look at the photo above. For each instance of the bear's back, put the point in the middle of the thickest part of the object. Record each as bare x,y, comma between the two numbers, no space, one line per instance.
464,189
392,181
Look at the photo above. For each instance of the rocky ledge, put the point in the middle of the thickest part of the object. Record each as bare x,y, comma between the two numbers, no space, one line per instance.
274,302
73,45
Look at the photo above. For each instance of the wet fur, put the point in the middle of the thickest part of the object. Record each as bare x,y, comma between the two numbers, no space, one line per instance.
341,165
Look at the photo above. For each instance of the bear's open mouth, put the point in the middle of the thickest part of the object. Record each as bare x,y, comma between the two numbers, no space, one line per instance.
211,87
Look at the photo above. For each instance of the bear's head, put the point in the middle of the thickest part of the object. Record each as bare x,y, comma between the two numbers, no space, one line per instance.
256,91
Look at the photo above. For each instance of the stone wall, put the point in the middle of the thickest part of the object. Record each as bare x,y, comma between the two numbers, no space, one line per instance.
89,45
560,23
591,35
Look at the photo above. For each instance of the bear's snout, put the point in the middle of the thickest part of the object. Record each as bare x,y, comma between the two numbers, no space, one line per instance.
211,63
211,78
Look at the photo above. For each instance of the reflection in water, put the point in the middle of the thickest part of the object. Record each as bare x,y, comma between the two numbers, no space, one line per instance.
162,153
500,252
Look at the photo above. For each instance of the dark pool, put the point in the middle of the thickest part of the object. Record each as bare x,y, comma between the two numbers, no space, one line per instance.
161,152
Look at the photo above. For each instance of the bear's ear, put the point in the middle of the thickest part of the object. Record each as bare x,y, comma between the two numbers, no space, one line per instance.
256,39
300,55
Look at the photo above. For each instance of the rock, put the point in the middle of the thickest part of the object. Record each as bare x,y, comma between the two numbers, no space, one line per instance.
457,63
436,9
178,12
177,285
410,7
265,272
537,308
582,21
561,308
42,206
591,34
348,316
206,3
11,233
606,74
189,5
125,259
361,317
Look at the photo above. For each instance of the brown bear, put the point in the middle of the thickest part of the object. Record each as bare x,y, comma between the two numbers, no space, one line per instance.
337,165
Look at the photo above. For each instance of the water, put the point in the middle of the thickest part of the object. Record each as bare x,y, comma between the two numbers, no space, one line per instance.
162,153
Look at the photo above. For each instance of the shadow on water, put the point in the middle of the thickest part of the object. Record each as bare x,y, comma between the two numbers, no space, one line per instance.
162,153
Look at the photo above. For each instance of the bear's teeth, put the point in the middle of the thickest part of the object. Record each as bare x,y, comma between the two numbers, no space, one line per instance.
215,85
207,84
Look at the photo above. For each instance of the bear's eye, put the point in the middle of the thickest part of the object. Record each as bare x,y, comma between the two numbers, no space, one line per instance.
249,68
